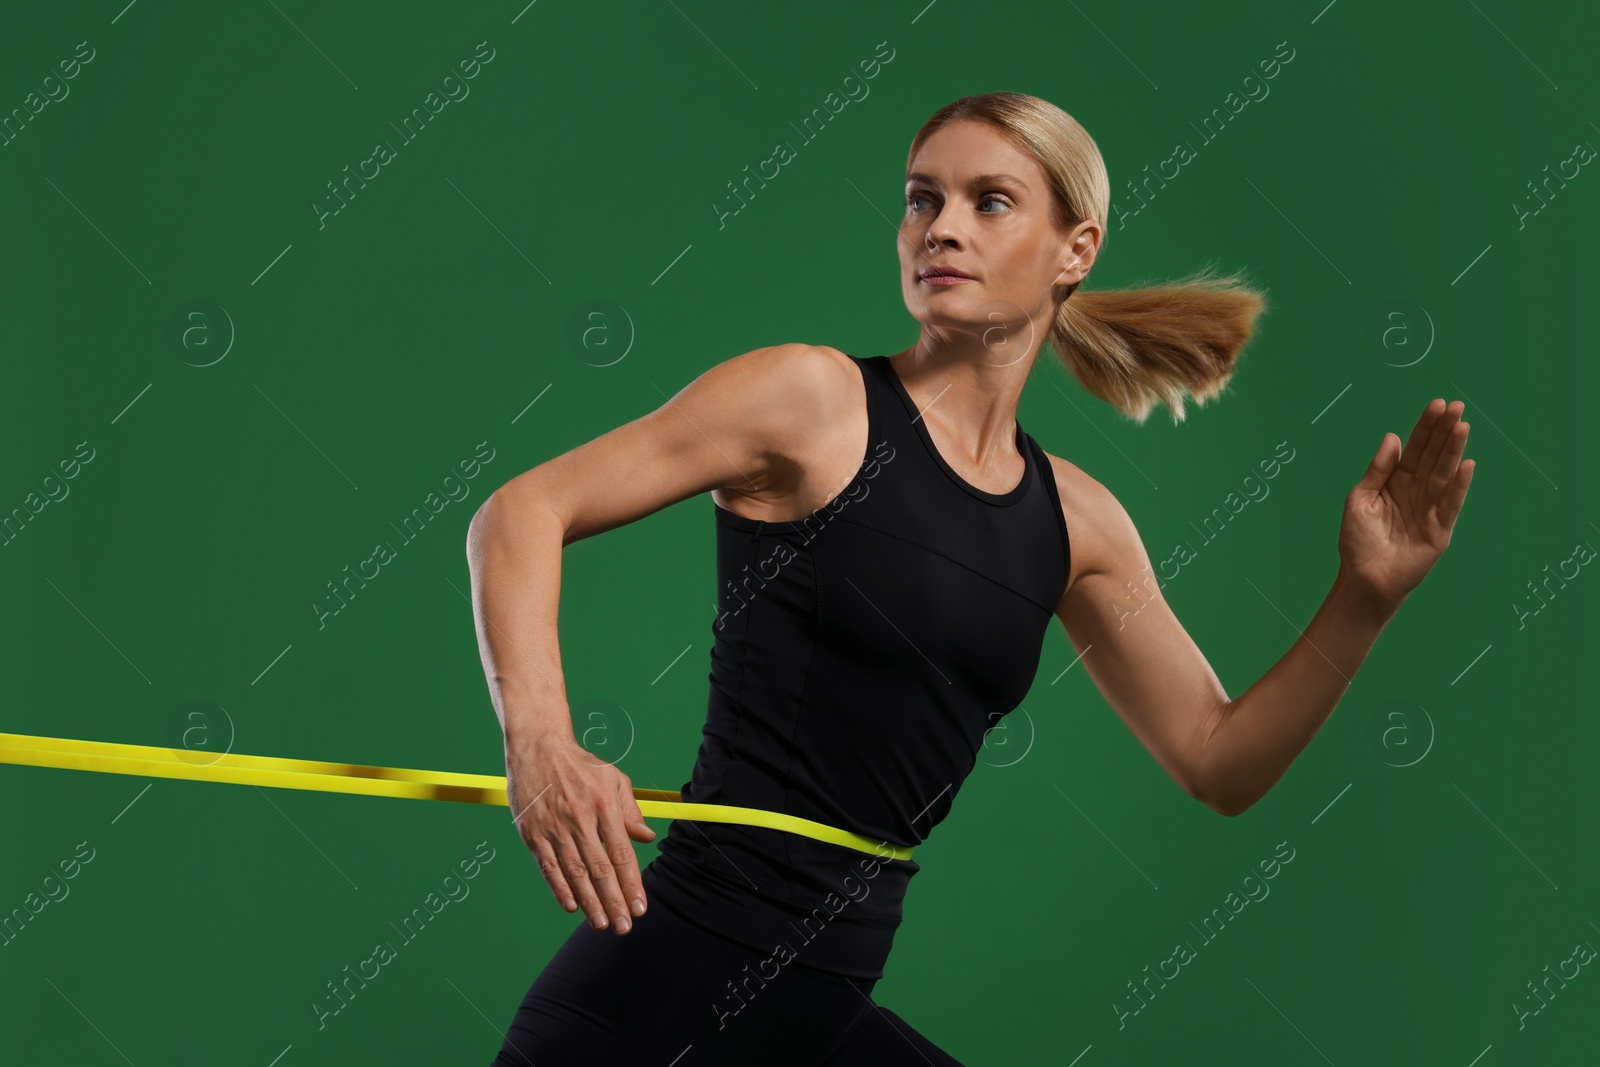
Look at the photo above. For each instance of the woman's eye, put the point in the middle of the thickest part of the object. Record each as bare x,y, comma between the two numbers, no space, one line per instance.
912,198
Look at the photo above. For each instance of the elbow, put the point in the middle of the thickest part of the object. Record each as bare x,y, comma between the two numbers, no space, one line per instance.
1222,805
1228,806
474,539
1216,804
1220,800
1209,779
1229,810
492,509
475,527
518,505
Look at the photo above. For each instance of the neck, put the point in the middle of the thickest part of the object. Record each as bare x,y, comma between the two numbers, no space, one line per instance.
969,391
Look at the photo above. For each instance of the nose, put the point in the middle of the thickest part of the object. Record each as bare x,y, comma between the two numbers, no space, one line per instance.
940,234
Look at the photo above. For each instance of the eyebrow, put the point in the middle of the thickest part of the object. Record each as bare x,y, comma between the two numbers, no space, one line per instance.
982,179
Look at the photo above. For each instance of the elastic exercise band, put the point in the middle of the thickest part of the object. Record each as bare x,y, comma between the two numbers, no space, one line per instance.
284,773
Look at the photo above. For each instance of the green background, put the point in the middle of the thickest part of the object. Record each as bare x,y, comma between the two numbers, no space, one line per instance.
1442,822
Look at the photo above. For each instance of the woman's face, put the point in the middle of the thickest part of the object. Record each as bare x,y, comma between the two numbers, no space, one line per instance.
978,203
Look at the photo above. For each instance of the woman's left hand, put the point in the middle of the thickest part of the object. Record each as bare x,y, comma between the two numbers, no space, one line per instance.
1398,518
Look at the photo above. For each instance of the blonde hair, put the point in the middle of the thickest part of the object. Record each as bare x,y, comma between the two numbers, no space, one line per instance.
1133,348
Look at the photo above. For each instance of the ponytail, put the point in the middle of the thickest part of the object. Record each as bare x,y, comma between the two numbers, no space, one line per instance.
1136,348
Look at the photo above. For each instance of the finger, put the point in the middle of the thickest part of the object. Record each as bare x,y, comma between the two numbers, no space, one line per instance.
630,887
1443,427
635,827
1456,495
1418,437
1382,465
603,879
575,864
633,818
638,829
1444,468
550,867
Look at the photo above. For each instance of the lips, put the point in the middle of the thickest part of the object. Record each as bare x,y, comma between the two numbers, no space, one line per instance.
943,277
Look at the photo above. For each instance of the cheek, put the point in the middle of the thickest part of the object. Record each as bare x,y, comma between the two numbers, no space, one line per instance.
1034,264
906,244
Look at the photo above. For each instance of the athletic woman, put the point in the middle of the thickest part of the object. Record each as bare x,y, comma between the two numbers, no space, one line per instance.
891,547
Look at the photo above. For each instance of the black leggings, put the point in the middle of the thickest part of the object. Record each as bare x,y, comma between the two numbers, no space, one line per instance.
659,995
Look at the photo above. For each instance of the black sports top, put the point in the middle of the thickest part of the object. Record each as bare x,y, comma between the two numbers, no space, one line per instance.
859,656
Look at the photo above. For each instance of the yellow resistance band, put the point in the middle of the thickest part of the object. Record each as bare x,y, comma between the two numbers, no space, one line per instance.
284,773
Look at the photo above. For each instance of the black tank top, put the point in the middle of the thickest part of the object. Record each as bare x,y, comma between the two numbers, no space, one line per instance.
859,656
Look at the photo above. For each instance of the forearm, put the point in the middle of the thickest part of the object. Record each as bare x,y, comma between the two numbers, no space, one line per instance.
1259,733
514,547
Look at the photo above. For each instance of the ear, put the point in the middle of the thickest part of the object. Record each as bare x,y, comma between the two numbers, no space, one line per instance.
1084,244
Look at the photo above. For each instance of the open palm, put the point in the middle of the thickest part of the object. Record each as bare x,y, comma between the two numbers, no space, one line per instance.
1398,518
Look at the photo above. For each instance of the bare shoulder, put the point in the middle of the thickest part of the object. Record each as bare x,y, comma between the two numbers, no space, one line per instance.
795,361
788,385
818,374
804,408
1101,535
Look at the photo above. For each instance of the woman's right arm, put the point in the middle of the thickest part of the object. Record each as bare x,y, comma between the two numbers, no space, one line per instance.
738,426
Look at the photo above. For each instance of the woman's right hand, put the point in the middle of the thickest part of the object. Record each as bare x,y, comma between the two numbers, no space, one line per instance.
576,814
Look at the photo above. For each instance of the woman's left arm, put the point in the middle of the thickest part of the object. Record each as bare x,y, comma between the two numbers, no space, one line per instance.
1229,752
